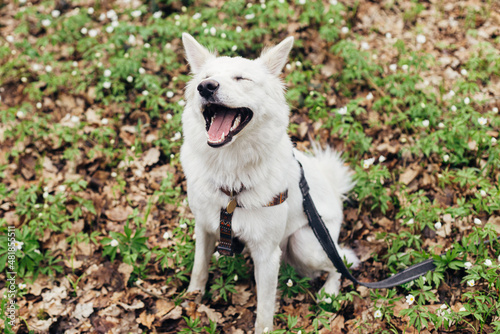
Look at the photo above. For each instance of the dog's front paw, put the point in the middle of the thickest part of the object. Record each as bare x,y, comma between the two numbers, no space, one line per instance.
194,296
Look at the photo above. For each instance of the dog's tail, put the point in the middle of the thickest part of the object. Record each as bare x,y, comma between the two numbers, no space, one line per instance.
335,172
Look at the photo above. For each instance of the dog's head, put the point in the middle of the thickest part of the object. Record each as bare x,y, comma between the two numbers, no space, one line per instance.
227,96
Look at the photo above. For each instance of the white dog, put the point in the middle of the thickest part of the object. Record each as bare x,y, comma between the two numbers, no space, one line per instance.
236,147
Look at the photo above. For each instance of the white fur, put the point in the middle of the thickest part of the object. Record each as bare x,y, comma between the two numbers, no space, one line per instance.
261,159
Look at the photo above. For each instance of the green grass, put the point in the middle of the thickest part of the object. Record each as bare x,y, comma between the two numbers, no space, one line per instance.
133,73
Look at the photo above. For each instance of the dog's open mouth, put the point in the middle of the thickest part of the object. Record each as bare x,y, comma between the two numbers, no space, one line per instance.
223,123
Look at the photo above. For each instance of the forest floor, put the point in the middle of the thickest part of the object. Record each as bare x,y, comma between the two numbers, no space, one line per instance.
91,97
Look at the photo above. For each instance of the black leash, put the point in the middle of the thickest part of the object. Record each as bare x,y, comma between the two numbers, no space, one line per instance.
324,238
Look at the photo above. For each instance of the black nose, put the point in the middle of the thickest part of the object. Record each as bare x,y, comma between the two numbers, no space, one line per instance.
207,88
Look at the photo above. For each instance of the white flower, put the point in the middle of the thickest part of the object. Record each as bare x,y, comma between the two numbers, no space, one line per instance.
46,22
441,125
113,174
169,117
170,94
467,265
196,16
147,45
328,300
438,225
75,119
35,67
453,108
106,84
331,21
110,14
213,31
342,111
113,243
288,67
266,330
166,235
482,121
365,46
45,194
298,64
368,162
145,93
107,73
388,35
104,121
289,283
470,282
136,13
446,157
487,262
20,114
62,188
223,35
405,67
463,71
378,314
410,299
55,13
302,2
130,78
369,96
22,286
84,31
48,68
39,105
141,70
235,278
250,16
263,6
483,193
333,2
18,245
10,38
238,29
234,48
183,225
466,100
462,309
157,14
132,39
115,24
176,136
109,29
393,67
493,140
382,158
477,221
37,251
90,11
425,123
182,103
93,32
344,30
495,110
102,17
421,39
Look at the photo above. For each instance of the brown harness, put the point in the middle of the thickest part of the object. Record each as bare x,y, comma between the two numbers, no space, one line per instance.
227,244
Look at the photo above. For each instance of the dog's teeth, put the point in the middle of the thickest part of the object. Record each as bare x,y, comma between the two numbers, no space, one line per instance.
212,120
236,122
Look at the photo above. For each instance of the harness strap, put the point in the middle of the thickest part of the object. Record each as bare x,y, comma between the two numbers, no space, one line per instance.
227,244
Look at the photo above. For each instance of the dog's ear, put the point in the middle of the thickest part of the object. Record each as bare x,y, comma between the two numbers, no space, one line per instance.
196,54
277,56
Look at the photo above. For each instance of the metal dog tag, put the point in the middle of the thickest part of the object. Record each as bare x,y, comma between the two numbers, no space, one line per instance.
231,205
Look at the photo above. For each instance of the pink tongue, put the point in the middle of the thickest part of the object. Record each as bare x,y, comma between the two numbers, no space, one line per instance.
223,120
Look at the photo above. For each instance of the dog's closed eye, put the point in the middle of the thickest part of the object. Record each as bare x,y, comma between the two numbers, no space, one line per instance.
239,78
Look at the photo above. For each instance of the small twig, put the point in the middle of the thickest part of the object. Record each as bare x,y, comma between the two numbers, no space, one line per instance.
380,91
143,289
